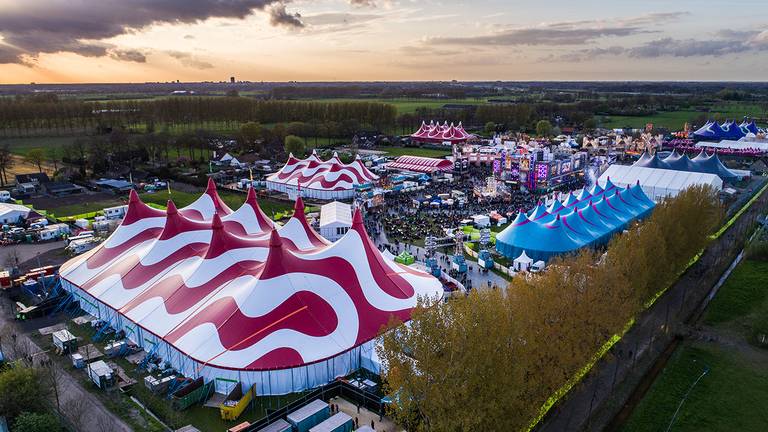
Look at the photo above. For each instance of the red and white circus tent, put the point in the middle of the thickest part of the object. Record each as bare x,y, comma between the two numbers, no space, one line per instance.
224,294
420,164
326,180
440,133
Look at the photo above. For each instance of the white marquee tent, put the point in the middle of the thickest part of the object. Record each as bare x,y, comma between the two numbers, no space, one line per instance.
657,183
742,144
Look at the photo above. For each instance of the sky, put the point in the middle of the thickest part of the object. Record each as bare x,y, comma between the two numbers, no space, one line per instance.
69,41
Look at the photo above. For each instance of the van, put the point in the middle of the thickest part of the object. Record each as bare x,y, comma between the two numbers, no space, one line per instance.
82,236
81,245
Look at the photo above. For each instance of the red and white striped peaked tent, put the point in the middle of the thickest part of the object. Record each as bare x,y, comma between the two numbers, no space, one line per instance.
327,180
230,294
437,133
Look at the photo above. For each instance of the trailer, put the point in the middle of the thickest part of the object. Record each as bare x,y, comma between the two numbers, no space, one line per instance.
236,402
340,422
309,416
64,341
197,391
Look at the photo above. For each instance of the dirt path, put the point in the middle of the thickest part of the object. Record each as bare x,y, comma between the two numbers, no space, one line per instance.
84,410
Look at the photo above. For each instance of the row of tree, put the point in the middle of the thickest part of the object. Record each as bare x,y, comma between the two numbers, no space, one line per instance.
489,361
31,117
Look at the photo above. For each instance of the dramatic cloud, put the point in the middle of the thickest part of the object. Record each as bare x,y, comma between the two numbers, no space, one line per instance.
278,16
33,27
128,55
729,42
563,33
189,60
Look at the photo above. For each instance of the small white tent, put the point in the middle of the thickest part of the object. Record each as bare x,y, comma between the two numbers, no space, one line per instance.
522,263
335,220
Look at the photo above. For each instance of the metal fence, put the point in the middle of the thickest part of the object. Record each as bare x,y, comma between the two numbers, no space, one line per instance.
361,398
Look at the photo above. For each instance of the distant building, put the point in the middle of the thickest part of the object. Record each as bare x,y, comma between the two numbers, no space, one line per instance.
113,185
232,80
59,189
30,184
36,178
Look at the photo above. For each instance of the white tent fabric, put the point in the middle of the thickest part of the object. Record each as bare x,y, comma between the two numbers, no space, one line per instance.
741,144
231,295
657,183
523,262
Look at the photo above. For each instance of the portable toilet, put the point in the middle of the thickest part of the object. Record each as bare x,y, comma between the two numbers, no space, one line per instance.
64,341
309,416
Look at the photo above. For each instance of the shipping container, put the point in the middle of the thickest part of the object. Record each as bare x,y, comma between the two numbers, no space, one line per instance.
195,392
64,341
278,426
101,374
340,422
309,416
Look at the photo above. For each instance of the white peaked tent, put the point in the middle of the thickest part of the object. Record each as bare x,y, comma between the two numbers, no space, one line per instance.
657,183
523,262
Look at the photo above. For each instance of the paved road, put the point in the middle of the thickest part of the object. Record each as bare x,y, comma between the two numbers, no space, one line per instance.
83,409
477,279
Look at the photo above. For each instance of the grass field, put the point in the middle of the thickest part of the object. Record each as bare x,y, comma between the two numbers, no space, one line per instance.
181,199
732,395
22,146
674,120
414,151
408,105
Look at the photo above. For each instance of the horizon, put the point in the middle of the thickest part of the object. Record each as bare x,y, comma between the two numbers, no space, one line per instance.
60,42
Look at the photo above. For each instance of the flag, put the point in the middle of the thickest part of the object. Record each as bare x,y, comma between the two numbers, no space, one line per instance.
250,170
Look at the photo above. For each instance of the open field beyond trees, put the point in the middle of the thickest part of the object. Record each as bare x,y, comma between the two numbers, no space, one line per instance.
732,394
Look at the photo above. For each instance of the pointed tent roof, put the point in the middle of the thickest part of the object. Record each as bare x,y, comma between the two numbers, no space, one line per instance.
570,200
203,276
523,258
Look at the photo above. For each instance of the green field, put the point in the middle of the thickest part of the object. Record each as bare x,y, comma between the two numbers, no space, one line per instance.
674,120
414,151
181,199
408,105
732,395
22,146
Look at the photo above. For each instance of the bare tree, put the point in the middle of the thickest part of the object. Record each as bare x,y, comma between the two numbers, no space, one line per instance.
6,162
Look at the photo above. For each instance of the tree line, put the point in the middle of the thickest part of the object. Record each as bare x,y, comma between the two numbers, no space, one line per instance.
491,360
34,116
